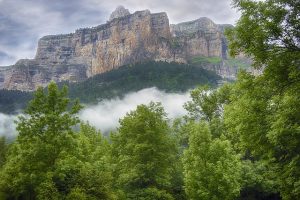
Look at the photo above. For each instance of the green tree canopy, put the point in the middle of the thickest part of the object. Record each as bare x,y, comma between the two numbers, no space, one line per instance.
49,160
3,150
269,32
212,170
266,124
264,112
144,152
266,29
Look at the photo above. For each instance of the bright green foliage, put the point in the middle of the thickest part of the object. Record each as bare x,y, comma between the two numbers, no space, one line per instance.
266,123
87,172
238,62
48,160
203,104
48,116
266,29
78,194
206,60
262,124
144,152
207,104
269,32
43,135
245,116
264,115
259,181
179,131
3,150
212,170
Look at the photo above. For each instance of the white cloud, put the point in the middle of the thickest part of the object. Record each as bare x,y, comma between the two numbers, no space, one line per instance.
7,125
106,114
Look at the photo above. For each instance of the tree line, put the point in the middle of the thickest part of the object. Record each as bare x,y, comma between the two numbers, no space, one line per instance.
240,141
169,77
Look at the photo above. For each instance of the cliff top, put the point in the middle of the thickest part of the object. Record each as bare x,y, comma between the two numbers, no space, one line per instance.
119,12
202,23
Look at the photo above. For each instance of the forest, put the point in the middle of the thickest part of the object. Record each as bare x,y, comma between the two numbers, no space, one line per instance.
169,77
240,141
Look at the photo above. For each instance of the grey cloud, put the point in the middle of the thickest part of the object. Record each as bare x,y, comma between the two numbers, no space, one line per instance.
5,58
22,23
219,11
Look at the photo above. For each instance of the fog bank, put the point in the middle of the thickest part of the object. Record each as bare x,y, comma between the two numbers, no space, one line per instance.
7,125
106,114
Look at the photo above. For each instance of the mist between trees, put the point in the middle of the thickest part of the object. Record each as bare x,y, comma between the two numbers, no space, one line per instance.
105,115
240,141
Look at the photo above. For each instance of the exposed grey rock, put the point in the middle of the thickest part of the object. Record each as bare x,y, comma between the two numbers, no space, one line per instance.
119,12
126,39
200,37
202,24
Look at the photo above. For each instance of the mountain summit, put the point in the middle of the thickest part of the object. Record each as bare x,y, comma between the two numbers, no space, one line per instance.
119,12
125,39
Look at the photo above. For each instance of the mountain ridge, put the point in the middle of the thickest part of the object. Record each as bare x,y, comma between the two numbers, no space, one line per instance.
125,39
168,77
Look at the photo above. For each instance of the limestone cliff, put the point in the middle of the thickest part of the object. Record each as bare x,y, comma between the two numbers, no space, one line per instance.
125,39
200,37
119,12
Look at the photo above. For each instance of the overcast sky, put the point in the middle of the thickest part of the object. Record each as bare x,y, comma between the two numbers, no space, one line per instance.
23,22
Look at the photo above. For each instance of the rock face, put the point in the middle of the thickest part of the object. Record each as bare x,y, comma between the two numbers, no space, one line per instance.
119,12
200,37
125,39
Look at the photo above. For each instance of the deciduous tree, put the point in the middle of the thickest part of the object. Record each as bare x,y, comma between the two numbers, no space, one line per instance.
212,170
144,151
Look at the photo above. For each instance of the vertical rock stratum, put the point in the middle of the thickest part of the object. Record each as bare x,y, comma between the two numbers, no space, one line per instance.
125,39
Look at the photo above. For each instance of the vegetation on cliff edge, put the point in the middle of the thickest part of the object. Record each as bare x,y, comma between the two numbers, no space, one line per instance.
170,77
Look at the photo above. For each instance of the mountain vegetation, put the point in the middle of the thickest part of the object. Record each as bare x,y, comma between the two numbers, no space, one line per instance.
170,77
237,142
13,100
239,63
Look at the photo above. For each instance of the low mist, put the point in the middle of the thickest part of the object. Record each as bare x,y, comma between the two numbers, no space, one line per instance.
7,125
106,114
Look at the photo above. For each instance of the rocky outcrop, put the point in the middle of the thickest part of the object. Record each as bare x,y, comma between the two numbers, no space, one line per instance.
201,37
125,39
119,12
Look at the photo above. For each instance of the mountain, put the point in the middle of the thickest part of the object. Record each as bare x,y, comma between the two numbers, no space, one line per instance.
169,77
125,39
